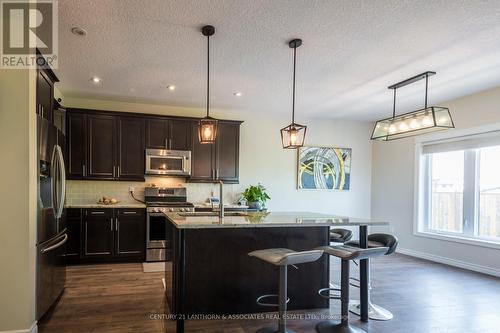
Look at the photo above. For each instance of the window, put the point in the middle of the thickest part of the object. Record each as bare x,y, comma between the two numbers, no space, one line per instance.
459,188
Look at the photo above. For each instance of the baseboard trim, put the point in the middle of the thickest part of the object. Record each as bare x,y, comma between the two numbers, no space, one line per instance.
32,329
450,262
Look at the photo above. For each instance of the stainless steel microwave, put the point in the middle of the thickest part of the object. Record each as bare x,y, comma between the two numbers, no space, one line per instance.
168,162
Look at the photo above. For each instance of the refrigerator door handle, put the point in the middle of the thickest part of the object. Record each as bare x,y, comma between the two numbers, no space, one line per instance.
55,246
53,181
61,181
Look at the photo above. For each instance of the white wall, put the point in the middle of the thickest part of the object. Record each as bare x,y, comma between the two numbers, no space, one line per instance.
393,188
17,199
263,160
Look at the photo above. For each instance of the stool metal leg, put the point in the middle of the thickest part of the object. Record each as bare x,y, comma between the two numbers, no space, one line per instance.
283,300
342,327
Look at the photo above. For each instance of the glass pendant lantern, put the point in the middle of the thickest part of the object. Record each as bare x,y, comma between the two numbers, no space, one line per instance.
293,135
207,127
426,120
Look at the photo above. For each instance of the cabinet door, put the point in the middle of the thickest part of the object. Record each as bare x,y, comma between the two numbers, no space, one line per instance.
228,147
202,159
179,134
73,226
44,95
101,147
156,133
130,238
76,145
130,148
98,229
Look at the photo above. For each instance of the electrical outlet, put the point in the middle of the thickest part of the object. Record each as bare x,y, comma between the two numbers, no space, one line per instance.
131,189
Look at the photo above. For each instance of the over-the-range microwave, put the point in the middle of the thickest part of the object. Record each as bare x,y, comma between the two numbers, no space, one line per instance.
168,162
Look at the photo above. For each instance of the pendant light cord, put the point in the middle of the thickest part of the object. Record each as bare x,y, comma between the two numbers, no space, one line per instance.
394,105
208,74
426,87
293,91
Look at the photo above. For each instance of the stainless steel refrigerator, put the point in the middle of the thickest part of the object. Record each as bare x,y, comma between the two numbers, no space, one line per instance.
51,226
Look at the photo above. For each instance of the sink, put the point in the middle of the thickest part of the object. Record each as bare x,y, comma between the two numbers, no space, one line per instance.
196,214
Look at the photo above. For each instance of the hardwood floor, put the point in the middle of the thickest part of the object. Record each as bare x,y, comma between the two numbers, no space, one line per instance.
423,296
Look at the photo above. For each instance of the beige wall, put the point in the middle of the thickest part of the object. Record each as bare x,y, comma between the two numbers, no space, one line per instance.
393,188
263,160
17,199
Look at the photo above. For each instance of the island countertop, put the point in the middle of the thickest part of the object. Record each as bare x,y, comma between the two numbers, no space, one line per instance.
267,219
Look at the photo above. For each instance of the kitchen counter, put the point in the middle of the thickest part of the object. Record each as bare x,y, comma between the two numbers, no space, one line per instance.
96,205
260,219
226,206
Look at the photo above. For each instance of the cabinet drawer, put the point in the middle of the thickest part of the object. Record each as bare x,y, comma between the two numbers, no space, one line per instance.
130,212
99,212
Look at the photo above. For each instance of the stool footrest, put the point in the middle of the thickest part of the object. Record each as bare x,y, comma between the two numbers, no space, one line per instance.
326,293
261,298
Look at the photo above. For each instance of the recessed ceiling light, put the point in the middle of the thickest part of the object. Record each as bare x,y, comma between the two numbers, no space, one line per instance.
238,94
95,80
79,31
171,87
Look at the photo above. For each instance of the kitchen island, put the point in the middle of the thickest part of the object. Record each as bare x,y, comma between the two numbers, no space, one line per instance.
213,275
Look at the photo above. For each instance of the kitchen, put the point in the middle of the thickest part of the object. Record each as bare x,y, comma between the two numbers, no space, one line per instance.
157,116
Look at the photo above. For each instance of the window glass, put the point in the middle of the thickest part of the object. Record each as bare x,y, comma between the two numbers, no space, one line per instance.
447,191
489,192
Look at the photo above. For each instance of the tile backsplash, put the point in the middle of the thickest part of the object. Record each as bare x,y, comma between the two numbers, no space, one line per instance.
89,191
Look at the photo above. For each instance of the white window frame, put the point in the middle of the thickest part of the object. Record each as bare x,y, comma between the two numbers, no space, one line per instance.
422,183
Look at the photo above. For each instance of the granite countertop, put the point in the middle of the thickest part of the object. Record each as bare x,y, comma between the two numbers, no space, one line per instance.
260,219
96,205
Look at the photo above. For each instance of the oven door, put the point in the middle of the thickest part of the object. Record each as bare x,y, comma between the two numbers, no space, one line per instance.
165,162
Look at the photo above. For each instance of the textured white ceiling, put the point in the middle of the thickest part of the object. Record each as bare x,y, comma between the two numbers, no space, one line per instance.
351,52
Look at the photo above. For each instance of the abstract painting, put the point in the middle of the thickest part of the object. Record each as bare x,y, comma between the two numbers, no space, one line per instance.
324,168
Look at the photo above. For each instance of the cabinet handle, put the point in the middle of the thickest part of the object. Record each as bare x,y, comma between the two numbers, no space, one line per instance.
111,224
169,143
130,213
118,171
41,106
97,213
83,170
217,173
117,225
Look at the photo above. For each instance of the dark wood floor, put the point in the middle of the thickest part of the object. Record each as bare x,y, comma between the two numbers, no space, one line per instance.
423,296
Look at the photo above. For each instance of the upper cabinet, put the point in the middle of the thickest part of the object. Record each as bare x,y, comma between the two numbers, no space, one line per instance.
162,133
103,146
45,80
111,145
219,161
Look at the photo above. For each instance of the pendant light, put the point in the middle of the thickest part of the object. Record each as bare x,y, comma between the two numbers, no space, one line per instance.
293,135
207,127
426,120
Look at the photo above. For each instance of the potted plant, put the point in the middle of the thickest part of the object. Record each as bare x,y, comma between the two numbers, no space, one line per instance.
256,196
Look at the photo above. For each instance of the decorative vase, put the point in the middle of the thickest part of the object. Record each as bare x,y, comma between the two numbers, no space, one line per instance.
255,205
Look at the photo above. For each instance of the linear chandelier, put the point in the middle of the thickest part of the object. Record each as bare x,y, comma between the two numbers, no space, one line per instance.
426,120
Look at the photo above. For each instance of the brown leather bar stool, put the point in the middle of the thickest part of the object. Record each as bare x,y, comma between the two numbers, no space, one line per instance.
346,254
375,312
282,258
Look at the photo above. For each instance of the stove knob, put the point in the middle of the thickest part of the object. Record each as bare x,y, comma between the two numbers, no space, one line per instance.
182,209
171,209
156,210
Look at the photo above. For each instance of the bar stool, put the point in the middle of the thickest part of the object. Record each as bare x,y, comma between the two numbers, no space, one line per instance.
375,312
339,235
282,258
346,254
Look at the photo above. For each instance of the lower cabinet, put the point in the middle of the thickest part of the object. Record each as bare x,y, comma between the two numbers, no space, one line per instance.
106,235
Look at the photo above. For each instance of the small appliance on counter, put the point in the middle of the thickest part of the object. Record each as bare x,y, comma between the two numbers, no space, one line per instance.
158,201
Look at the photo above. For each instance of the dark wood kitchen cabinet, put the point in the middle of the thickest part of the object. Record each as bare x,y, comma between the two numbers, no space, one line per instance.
218,161
73,228
101,147
172,134
106,147
130,151
45,79
130,232
98,236
106,235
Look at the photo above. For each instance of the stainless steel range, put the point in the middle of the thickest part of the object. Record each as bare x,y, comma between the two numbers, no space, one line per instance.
158,201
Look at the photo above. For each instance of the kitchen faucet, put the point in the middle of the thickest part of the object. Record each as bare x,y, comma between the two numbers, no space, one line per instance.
221,198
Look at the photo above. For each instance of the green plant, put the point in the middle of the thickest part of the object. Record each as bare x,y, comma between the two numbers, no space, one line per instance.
256,194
